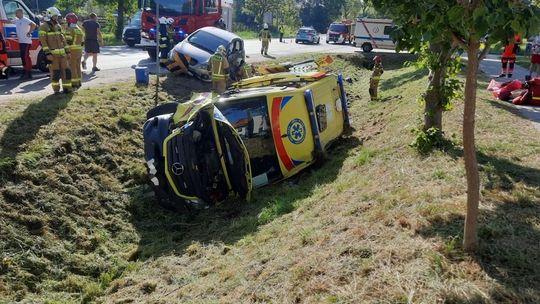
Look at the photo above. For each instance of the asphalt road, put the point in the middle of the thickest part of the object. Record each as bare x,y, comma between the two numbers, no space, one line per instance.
117,63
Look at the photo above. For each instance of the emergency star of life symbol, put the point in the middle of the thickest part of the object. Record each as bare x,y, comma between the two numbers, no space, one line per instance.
296,131
177,169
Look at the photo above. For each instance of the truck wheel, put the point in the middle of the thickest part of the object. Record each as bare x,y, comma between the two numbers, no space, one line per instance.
151,53
41,63
366,47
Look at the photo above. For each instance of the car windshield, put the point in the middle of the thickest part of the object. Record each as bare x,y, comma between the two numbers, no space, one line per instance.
135,22
341,28
172,7
207,41
305,31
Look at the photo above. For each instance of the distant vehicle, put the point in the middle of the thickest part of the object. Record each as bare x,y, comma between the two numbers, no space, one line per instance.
7,15
202,44
267,129
341,32
307,35
188,16
132,32
374,33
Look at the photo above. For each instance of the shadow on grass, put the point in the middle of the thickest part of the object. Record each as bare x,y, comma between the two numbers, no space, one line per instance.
509,250
162,232
183,86
23,129
394,82
534,113
391,61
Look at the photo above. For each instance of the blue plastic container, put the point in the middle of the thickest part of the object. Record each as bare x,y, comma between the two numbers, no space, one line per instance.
141,75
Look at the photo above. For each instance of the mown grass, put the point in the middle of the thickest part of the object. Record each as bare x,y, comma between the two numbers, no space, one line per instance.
376,222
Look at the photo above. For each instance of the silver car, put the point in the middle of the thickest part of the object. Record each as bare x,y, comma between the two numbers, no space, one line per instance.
202,44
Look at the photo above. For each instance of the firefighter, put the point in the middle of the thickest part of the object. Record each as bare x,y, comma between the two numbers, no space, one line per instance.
219,66
74,39
375,77
245,70
57,51
265,37
4,68
165,39
508,58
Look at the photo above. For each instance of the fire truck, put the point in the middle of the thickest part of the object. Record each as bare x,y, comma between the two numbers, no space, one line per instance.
341,32
188,15
7,27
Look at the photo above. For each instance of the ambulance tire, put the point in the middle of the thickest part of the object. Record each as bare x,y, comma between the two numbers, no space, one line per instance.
367,47
41,63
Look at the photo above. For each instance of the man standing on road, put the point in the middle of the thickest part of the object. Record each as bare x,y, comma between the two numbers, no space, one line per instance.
266,38
74,38
93,40
25,27
219,66
57,51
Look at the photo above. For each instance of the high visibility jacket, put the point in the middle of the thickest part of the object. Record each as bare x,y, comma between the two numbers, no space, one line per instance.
246,71
510,50
265,35
218,65
377,71
74,37
52,39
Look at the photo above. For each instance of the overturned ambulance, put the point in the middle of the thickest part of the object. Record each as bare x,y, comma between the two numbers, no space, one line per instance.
264,130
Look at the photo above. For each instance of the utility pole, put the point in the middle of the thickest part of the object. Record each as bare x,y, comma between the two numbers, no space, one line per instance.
158,38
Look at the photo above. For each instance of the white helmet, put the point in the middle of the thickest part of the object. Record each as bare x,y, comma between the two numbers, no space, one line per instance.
52,12
265,26
170,20
221,49
163,20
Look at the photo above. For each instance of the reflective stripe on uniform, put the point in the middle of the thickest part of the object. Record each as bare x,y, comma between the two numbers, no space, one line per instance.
58,52
536,98
75,47
218,77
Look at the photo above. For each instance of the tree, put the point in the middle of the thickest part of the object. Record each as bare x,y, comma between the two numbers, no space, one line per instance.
320,13
258,8
356,8
467,22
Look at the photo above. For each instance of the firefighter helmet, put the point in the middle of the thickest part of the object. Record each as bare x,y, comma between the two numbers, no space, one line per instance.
53,12
221,50
71,18
377,58
163,20
170,20
265,26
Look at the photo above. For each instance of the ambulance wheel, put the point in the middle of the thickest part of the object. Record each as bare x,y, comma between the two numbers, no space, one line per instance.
41,63
151,54
366,47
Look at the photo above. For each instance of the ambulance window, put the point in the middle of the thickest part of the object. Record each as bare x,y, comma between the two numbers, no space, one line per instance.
322,119
10,7
388,30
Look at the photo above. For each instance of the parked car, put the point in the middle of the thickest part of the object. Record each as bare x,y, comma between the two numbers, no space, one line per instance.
307,35
132,32
268,128
203,43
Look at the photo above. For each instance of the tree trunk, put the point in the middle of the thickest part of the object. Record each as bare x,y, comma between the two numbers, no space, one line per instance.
470,238
120,20
433,101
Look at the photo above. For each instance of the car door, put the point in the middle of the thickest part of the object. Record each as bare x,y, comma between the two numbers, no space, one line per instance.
291,130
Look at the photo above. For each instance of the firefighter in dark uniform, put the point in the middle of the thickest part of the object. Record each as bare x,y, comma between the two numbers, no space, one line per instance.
165,39
56,49
74,38
375,78
265,37
219,66
245,70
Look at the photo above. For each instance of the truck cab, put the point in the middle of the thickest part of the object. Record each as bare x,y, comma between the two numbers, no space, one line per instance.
341,32
7,16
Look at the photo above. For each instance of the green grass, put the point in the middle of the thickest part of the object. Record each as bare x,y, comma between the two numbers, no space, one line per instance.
376,222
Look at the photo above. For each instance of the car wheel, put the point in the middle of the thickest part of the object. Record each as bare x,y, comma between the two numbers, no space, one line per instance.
166,108
366,47
131,44
319,41
327,41
41,63
296,41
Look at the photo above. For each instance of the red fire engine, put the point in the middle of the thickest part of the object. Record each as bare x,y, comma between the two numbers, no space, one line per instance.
7,28
188,15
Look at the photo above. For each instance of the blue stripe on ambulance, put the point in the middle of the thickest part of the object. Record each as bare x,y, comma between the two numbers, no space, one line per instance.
373,38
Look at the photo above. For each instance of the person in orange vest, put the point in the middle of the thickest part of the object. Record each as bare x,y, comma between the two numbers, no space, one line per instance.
219,66
4,68
74,39
57,51
508,59
375,78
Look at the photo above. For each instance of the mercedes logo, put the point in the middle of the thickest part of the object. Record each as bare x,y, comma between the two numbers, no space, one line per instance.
177,169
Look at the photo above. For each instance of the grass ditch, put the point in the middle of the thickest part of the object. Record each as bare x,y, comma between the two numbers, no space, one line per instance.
375,222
